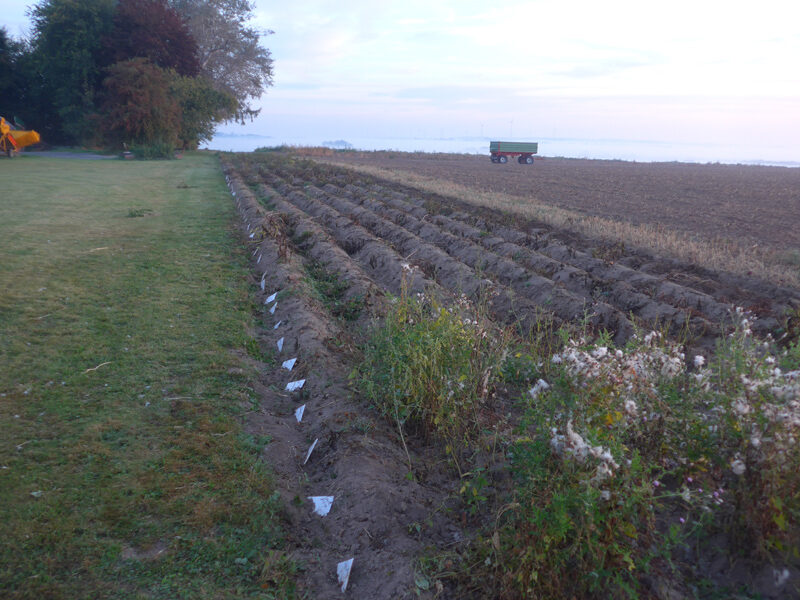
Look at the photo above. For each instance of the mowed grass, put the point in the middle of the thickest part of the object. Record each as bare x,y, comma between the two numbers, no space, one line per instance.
124,319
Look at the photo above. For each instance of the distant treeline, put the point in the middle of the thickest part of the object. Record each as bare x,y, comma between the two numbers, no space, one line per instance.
153,73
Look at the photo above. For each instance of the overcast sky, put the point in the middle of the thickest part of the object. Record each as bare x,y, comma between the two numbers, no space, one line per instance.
678,71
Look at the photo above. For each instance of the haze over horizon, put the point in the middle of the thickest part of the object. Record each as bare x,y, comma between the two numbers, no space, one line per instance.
683,72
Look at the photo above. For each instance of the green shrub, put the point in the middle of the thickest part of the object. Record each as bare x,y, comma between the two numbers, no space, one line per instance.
153,150
430,367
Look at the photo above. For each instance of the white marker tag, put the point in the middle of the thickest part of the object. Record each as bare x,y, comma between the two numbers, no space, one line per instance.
278,324
271,298
280,345
322,504
298,414
343,572
289,364
254,251
252,235
259,259
272,308
263,281
310,450
295,385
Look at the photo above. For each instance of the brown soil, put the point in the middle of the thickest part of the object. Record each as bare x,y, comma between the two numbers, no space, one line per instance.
756,203
365,231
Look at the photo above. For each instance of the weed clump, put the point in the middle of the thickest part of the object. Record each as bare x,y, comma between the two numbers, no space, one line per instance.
624,455
331,289
430,367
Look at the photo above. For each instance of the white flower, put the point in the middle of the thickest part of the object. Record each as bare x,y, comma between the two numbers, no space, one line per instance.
600,352
557,443
537,389
741,407
630,407
781,577
605,495
737,466
602,473
699,361
575,443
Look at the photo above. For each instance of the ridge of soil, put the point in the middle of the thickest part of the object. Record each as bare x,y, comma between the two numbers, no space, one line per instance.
379,513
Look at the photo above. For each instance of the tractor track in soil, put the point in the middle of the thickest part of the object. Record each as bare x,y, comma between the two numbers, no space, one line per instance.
376,237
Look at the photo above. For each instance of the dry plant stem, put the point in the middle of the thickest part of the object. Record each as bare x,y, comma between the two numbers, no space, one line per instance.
718,253
402,437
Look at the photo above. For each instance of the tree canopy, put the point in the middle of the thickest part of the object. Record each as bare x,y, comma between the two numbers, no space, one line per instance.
94,71
66,49
138,106
229,50
152,29
10,52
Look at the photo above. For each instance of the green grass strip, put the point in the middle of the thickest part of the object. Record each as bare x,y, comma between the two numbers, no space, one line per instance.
124,314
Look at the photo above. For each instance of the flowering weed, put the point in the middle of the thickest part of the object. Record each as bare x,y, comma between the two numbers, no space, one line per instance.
622,454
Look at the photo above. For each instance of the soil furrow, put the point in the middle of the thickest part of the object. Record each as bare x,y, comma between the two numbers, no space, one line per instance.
449,273
619,294
357,458
447,255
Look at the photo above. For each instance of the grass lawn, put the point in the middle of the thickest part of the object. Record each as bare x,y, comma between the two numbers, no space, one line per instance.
124,317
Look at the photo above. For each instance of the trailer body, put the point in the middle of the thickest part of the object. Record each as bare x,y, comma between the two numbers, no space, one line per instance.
524,151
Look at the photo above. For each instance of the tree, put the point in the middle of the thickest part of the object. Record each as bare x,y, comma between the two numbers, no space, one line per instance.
229,50
9,74
202,106
65,56
152,29
138,107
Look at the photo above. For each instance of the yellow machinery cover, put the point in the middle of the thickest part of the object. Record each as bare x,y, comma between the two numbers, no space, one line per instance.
25,138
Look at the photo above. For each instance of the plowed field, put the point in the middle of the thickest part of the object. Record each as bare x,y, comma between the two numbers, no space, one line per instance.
333,245
756,203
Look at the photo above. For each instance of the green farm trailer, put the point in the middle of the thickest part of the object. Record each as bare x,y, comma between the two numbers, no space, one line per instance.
524,151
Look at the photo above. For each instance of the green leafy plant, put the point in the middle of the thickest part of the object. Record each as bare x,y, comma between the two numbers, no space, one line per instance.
430,367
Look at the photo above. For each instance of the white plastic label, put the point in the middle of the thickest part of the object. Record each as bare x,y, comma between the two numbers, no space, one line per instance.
295,385
322,504
343,572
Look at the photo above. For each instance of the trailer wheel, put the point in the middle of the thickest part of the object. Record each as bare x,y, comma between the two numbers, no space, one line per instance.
503,159
528,160
493,158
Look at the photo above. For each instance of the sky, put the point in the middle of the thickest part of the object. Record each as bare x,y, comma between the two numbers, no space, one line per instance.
684,71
